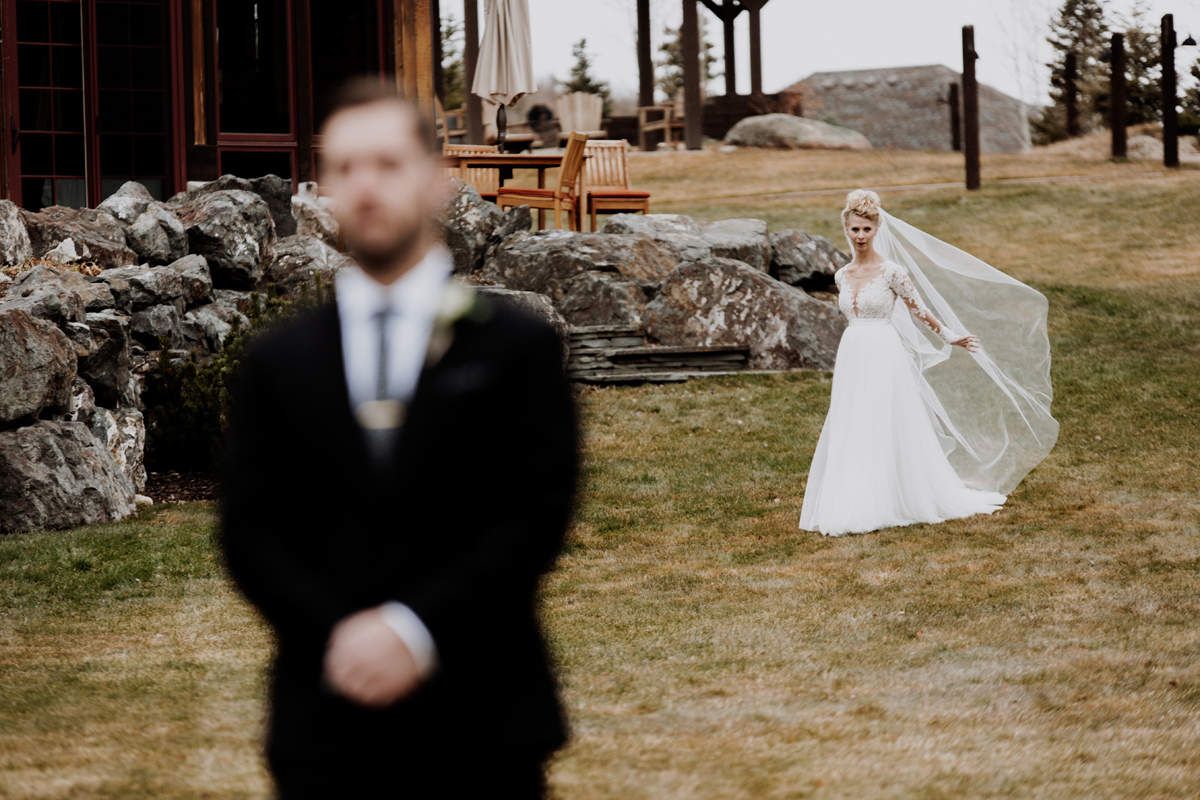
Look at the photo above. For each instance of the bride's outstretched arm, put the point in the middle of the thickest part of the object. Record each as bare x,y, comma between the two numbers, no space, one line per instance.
904,289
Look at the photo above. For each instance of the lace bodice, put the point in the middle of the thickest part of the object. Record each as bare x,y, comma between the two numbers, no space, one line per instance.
877,298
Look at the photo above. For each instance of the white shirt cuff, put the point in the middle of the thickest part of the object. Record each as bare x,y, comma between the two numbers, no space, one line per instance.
405,623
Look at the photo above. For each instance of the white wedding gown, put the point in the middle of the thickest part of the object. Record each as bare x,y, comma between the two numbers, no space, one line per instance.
879,462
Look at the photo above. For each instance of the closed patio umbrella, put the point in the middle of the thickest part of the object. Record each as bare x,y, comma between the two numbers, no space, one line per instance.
504,71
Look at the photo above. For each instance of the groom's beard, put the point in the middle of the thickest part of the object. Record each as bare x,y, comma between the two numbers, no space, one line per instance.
379,258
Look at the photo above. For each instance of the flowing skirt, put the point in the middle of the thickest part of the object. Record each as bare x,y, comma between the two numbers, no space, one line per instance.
878,463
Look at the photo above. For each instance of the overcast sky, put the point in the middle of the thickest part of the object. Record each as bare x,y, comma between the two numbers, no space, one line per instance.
801,37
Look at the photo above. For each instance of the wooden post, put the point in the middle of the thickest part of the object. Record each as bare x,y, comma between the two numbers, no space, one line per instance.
755,45
955,120
470,62
1170,114
1117,100
644,57
727,24
1071,95
693,105
439,82
970,108
414,53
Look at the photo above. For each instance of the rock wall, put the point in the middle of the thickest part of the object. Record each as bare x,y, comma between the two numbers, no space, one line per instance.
81,326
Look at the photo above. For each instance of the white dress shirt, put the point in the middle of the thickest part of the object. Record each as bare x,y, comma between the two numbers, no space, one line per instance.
413,301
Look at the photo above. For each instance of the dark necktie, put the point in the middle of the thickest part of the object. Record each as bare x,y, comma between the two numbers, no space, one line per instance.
381,418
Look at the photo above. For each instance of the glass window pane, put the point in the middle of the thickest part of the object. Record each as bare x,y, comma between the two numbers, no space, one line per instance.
156,187
36,193
116,154
115,111
148,116
68,66
71,192
112,65
68,111
65,23
253,79
33,21
33,65
35,109
145,24
345,43
112,23
148,155
37,154
69,154
146,64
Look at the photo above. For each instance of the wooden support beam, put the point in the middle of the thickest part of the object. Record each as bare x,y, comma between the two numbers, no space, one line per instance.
470,62
727,24
970,108
693,104
1117,101
755,46
1071,94
1170,114
644,56
435,19
414,53
955,119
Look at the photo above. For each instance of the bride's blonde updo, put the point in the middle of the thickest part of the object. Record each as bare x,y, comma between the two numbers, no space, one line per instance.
863,202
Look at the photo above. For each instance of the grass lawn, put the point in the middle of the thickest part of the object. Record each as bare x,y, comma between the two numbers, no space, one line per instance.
708,648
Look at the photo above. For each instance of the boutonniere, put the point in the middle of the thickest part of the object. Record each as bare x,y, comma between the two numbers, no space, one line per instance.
459,302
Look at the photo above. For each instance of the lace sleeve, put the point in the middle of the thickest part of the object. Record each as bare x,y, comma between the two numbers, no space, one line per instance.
904,289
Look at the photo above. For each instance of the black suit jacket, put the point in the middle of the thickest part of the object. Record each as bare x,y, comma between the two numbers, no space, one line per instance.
460,526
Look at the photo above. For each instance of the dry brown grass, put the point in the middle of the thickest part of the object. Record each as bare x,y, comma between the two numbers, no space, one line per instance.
710,649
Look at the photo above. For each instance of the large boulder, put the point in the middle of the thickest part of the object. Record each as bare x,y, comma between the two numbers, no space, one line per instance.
721,301
123,434
150,325
37,367
148,286
681,234
58,295
15,247
314,215
56,475
592,278
128,202
275,191
794,133
537,305
298,260
207,327
107,367
808,262
234,232
157,236
99,231
194,279
473,225
742,240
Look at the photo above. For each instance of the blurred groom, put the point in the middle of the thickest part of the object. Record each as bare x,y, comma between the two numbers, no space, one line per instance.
399,474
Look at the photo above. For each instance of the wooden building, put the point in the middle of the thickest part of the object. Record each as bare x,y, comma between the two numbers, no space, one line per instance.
99,92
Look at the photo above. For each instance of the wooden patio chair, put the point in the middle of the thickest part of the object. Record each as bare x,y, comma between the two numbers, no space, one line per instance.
563,199
485,181
606,176
582,112
662,122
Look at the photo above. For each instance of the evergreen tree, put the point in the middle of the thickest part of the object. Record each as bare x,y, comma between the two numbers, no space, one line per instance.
454,89
670,65
1079,28
1143,67
581,79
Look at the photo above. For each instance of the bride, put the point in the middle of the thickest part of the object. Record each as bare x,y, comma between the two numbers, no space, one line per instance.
904,442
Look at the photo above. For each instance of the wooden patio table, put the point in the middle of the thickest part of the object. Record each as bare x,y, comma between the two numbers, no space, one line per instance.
502,161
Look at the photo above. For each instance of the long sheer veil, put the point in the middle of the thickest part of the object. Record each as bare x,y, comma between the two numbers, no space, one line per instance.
991,409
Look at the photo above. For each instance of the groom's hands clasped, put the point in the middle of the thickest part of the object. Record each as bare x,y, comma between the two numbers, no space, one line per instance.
367,663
